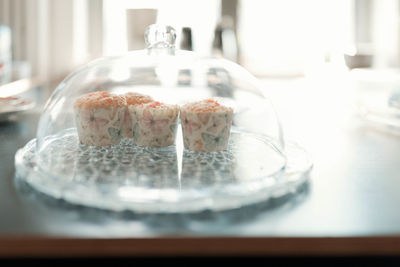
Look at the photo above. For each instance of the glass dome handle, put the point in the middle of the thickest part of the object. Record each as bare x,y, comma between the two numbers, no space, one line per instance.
160,36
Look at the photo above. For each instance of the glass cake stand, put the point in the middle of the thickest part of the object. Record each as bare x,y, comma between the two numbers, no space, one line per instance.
257,165
166,180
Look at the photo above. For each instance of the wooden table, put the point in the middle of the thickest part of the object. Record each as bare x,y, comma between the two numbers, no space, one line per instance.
349,207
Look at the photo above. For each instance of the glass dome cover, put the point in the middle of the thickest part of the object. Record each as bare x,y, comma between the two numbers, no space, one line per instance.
256,165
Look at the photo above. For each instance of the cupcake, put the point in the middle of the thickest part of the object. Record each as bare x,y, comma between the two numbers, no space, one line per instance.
154,124
206,125
132,99
99,117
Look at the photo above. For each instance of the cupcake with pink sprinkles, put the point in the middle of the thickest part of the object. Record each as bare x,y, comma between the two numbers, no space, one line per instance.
206,125
99,118
154,124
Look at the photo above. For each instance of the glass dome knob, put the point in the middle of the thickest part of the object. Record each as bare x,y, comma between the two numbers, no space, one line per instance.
160,36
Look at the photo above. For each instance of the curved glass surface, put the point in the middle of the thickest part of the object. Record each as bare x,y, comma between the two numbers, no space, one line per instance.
255,158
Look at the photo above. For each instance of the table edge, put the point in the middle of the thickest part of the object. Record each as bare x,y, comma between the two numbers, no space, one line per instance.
198,246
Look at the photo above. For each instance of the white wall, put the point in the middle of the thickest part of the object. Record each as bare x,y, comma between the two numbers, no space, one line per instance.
385,33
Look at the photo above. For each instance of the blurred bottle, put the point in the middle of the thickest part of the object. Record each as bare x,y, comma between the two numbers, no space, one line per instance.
185,75
186,39
225,42
5,54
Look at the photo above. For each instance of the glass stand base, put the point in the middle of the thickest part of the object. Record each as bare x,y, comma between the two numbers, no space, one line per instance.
163,180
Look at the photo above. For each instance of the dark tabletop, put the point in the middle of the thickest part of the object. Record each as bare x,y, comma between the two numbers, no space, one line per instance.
353,190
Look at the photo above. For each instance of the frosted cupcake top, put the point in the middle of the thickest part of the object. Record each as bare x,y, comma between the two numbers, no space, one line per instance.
157,105
101,99
136,98
205,106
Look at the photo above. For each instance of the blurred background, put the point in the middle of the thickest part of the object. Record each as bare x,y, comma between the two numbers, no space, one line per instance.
45,40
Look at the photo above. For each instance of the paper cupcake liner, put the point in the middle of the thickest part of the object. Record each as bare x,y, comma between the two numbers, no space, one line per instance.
100,127
154,127
206,132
